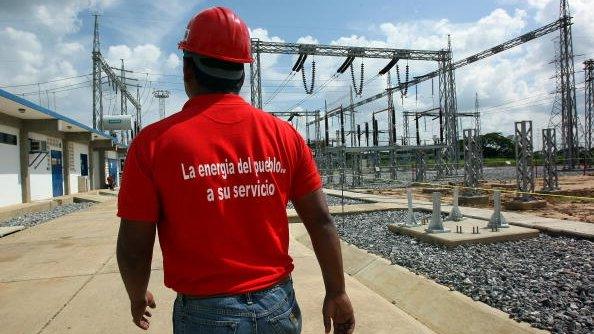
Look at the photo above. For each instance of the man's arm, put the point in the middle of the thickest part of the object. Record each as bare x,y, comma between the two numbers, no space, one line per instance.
134,254
313,211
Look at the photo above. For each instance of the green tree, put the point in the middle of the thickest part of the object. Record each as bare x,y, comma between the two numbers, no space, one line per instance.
495,145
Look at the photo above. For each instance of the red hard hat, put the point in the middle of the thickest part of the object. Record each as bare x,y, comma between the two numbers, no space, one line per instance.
218,33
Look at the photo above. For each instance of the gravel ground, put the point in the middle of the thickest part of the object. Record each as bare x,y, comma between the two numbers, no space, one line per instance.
546,281
35,218
334,200
404,177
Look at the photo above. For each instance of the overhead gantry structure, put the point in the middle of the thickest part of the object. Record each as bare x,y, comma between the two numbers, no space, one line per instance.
445,72
349,53
447,89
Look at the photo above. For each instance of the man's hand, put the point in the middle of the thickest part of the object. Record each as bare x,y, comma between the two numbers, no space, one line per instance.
139,311
314,214
134,253
337,311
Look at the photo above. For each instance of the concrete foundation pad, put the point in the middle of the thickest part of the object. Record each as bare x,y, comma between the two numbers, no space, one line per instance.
517,205
507,186
432,190
6,230
473,199
454,239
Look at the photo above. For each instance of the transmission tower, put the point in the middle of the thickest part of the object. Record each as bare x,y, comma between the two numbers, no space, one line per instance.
565,102
161,95
97,89
118,82
589,107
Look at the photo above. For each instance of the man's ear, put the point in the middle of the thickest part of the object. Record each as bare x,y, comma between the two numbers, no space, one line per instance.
188,70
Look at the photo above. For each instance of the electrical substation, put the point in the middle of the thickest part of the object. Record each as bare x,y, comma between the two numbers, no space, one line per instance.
445,224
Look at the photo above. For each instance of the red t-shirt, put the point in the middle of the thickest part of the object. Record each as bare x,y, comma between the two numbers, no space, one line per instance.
216,178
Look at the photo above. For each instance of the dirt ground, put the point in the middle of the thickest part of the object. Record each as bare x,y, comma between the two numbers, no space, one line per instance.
565,206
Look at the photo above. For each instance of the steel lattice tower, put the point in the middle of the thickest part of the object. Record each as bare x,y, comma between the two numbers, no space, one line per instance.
472,159
97,93
449,105
524,158
565,102
588,107
162,95
549,152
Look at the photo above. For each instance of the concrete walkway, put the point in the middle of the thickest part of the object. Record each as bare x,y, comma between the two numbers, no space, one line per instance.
566,227
61,277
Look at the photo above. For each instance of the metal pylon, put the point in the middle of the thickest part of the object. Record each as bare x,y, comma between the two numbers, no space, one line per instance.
564,106
391,129
472,159
256,75
549,152
588,108
97,87
524,158
421,166
447,99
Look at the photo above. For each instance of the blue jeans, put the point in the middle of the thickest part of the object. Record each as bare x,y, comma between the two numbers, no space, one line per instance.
271,311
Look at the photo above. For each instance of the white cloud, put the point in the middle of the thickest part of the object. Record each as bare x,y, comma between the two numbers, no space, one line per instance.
173,61
51,46
308,40
139,58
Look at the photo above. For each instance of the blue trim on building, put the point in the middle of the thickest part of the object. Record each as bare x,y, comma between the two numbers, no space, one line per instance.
50,113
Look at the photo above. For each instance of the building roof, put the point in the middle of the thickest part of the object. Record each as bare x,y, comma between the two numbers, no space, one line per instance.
19,107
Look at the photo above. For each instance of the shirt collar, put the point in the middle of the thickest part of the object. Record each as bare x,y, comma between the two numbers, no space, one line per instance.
206,100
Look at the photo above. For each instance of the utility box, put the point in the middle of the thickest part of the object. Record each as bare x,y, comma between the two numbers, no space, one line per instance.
116,122
83,184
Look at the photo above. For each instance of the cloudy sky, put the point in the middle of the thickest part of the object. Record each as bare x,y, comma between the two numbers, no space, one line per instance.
49,42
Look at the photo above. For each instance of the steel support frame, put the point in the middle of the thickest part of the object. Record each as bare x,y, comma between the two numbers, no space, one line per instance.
549,152
472,159
569,118
100,65
391,130
524,158
588,109
449,105
420,166
256,75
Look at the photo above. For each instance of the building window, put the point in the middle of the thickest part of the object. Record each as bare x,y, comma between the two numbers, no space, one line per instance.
7,138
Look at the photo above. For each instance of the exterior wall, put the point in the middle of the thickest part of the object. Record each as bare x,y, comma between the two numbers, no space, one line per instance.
41,171
111,155
10,182
96,178
76,150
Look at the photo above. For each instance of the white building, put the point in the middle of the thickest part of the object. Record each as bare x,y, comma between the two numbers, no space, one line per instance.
44,154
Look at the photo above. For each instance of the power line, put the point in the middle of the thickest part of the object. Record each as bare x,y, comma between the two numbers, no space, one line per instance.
45,82
58,89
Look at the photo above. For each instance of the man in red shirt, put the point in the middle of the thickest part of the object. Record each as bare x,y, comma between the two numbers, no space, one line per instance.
214,180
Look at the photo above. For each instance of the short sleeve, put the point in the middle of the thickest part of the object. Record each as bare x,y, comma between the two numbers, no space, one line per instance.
137,199
306,178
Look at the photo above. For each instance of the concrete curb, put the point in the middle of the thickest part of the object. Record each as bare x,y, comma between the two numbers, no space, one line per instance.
442,310
95,196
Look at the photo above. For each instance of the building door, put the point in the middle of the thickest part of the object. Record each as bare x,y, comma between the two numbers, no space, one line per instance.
57,174
84,165
113,170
